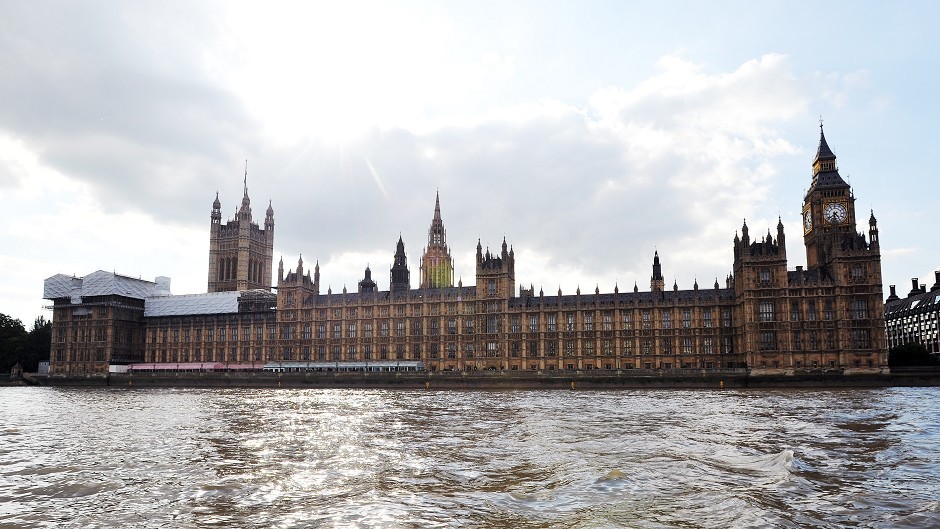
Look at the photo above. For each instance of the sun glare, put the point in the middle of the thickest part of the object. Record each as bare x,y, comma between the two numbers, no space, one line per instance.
331,71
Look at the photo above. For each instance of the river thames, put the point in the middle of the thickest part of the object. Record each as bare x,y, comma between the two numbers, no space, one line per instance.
108,457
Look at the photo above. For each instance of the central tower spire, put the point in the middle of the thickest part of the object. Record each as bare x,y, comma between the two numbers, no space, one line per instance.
437,266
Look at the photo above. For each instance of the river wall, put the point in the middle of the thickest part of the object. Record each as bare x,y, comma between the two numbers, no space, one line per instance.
738,378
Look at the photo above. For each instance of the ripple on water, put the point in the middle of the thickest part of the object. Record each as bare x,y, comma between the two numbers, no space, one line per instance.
346,458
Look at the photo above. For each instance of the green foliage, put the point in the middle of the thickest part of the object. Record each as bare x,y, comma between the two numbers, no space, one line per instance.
27,348
910,355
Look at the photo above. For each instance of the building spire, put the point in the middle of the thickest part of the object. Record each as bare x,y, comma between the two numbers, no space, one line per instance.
246,177
437,206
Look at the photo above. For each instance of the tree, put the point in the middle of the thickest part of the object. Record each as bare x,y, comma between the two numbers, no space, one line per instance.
910,355
38,344
12,342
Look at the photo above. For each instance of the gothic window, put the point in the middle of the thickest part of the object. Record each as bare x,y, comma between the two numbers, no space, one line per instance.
305,357
667,319
646,346
468,326
795,311
351,332
798,341
687,345
726,317
451,350
491,287
811,310
707,346
435,327
764,276
827,314
707,318
321,330
627,320
608,347
367,330
492,324
861,339
686,318
550,322
514,324
550,348
569,321
859,309
337,352
647,320
589,321
667,346
383,328
435,350
351,353
533,323
729,345
766,311
768,341
492,349
468,350
856,273
589,348
608,321
321,352
337,331
366,352
569,348
514,349
400,328
307,333
399,352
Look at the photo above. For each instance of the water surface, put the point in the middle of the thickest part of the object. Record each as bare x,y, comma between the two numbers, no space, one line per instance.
251,458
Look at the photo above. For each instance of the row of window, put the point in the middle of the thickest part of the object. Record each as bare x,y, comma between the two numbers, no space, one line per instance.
858,310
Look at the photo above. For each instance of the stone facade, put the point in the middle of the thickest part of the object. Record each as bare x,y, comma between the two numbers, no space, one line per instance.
828,316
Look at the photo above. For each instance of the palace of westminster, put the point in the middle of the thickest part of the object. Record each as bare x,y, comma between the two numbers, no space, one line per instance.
767,318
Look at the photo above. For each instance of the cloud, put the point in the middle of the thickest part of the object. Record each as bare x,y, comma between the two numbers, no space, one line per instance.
129,118
588,192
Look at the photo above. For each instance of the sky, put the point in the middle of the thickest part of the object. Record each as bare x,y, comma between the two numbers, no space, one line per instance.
589,134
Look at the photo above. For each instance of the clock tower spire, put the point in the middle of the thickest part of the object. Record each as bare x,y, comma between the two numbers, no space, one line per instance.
828,209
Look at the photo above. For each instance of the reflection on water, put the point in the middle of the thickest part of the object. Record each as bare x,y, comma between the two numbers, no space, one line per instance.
373,458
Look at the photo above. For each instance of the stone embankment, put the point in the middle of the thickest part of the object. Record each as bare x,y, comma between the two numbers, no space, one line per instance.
633,379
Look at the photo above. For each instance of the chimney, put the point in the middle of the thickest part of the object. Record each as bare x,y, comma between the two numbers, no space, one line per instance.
936,283
915,288
894,293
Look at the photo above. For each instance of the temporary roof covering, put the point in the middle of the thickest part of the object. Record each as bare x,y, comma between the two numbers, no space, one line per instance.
211,303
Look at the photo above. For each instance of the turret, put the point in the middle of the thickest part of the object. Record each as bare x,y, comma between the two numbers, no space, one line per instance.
399,275
873,232
367,285
656,280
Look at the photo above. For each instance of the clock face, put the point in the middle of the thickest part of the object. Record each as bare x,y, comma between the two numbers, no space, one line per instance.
835,213
807,220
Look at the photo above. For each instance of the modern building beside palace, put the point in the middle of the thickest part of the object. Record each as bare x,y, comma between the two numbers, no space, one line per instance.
915,318
766,317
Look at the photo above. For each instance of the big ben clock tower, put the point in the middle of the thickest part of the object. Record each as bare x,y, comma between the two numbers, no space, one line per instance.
828,210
